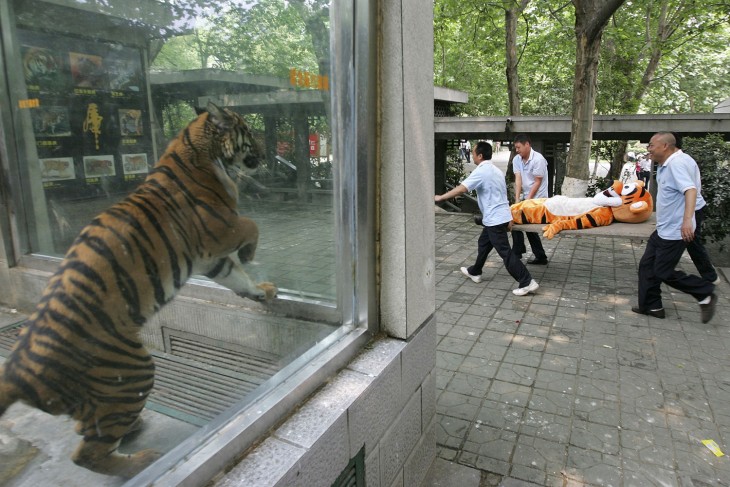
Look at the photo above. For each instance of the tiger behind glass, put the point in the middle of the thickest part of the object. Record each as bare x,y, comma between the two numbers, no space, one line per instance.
81,354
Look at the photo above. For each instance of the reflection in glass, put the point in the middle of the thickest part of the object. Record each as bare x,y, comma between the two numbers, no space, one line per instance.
111,84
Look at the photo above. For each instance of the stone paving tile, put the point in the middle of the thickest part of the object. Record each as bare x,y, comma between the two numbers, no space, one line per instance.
457,405
469,384
553,427
535,459
502,415
567,387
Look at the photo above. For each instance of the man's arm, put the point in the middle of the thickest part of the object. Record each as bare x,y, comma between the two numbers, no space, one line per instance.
535,187
518,187
690,200
460,189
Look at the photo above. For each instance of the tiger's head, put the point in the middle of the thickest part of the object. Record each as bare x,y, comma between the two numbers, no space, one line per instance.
234,148
630,201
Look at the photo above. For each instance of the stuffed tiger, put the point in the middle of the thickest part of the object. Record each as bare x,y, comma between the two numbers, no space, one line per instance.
622,202
80,353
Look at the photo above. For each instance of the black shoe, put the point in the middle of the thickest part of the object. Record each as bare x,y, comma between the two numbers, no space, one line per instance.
536,261
707,311
656,313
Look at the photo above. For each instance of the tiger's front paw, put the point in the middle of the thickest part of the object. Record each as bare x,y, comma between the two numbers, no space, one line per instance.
268,289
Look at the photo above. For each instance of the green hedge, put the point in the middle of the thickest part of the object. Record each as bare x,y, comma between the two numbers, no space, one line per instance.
712,154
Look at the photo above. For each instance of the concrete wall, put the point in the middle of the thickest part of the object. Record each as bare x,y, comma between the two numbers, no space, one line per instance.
384,400
406,166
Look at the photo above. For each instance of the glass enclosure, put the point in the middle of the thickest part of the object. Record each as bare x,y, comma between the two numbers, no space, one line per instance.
98,89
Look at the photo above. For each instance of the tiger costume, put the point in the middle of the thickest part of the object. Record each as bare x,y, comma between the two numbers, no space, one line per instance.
622,202
80,353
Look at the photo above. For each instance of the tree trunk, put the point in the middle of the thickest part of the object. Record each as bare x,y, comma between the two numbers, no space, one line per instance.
617,163
513,85
591,17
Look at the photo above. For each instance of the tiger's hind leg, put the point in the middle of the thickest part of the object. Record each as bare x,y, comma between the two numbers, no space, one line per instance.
99,456
102,436
135,428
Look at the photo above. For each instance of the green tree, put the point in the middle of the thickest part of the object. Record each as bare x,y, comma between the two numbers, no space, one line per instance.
650,34
469,53
470,50
591,17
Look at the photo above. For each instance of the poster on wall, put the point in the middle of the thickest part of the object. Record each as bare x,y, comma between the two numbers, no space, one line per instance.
125,74
57,169
51,121
130,122
135,164
97,166
44,70
86,70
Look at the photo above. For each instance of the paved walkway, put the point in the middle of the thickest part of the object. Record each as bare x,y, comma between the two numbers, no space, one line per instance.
568,387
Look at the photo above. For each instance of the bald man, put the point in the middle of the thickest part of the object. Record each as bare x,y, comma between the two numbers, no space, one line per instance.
678,179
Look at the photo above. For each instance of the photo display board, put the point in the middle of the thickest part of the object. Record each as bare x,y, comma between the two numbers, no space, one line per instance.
91,118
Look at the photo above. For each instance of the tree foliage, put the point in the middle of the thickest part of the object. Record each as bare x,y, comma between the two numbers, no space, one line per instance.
267,37
691,74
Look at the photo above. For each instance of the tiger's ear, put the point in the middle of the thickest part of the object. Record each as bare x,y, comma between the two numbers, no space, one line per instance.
218,117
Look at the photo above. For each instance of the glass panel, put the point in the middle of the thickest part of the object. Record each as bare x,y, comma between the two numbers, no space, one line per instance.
100,87
107,89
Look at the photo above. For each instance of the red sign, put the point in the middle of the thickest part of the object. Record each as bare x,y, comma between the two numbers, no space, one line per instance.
313,144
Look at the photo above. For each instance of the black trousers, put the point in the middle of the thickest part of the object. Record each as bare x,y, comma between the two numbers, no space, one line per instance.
518,244
658,265
698,253
644,176
496,238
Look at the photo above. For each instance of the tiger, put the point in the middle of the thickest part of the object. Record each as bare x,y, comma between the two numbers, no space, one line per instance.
80,353
623,202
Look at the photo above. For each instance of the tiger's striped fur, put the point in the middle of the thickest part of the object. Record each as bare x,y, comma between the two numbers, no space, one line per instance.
80,353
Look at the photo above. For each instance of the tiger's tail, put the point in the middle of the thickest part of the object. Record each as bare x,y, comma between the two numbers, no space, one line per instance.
8,392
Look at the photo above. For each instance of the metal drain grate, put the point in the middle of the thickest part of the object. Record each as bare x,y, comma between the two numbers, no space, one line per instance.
257,365
354,473
195,392
196,382
8,337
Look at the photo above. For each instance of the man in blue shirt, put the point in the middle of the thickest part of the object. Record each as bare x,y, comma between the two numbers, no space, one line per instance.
531,181
488,181
678,180
695,248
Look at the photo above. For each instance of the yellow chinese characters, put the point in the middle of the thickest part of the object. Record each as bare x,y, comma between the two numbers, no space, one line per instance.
92,123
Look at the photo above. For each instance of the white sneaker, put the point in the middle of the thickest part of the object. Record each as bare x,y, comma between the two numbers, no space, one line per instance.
717,281
465,271
521,291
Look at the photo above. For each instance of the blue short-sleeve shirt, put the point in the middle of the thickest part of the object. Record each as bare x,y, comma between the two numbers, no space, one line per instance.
678,174
534,167
488,181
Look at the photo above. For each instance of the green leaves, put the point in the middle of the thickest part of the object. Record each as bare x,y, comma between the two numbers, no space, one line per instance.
712,154
265,37
688,40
